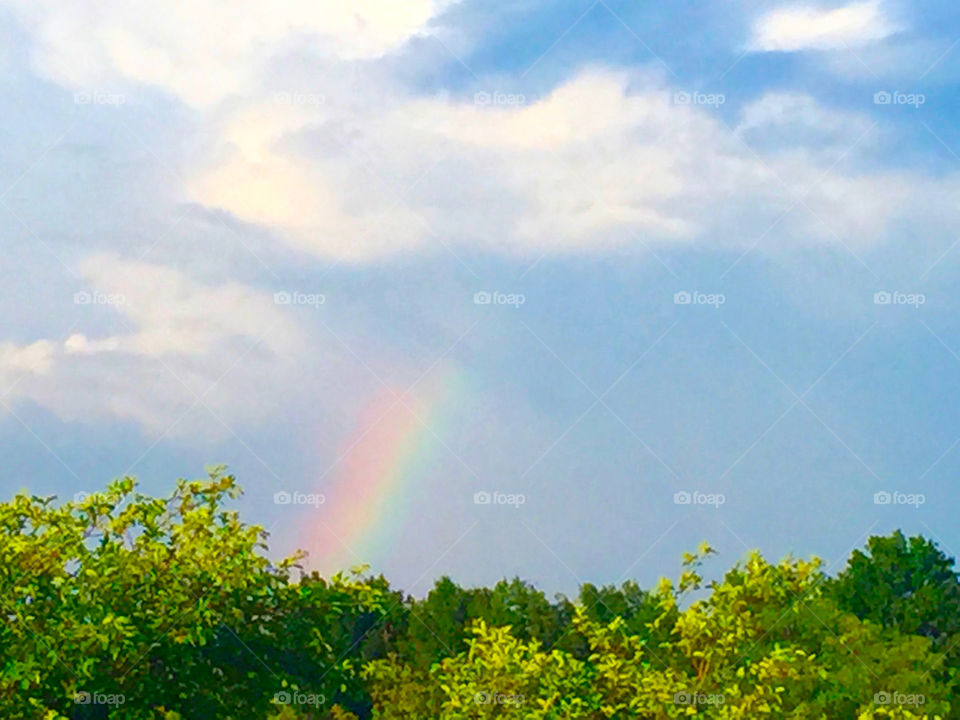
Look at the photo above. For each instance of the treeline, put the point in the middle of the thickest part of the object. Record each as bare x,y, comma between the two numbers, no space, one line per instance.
128,606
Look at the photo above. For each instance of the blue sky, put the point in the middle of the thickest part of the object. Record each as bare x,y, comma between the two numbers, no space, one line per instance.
793,169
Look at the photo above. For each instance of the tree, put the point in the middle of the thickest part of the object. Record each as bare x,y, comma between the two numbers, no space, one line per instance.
906,583
123,605
765,642
438,626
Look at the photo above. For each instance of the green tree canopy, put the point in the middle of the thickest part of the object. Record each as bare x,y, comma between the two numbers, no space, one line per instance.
122,605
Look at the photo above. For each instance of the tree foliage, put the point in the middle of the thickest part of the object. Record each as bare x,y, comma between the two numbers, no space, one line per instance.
122,605
765,642
907,583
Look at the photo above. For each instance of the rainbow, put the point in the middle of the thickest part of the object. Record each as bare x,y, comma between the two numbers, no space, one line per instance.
376,479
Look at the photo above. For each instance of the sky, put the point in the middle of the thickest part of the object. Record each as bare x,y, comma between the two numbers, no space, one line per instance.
550,290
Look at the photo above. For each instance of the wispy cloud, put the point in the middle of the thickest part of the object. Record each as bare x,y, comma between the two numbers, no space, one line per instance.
803,27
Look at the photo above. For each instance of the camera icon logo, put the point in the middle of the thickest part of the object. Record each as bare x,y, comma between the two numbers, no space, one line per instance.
282,498
482,298
282,298
681,498
282,698
882,698
681,98
882,298
682,298
481,98
482,498
882,98
82,298
82,698
882,498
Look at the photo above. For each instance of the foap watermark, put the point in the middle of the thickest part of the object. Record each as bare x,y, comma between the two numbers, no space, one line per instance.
896,497
498,698
298,498
698,298
695,497
498,498
899,98
109,498
95,297
697,698
307,99
99,98
496,297
82,697
286,697
296,297
899,698
895,297
682,97
496,97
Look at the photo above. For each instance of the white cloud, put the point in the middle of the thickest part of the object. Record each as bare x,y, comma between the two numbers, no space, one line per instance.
206,50
17,361
79,344
260,184
603,160
228,344
171,315
541,171
802,27
371,171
